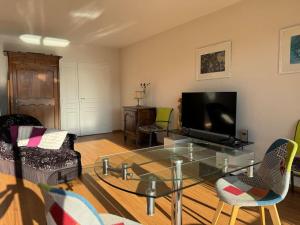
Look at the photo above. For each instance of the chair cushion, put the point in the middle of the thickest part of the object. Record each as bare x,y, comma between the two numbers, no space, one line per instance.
245,191
47,159
151,128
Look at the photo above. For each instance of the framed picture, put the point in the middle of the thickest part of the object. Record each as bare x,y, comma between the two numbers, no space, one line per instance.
289,52
213,61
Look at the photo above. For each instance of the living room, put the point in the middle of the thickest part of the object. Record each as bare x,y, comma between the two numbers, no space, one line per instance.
114,47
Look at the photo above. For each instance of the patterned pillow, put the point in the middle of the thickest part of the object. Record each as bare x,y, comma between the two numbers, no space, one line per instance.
53,139
36,136
24,133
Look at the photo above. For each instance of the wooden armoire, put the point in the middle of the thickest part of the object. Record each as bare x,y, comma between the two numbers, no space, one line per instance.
33,86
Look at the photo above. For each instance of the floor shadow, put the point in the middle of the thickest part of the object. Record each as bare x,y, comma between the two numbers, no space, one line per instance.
26,198
105,198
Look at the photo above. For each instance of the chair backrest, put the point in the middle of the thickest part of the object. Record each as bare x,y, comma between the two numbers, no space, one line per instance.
68,208
275,170
297,136
6,121
163,116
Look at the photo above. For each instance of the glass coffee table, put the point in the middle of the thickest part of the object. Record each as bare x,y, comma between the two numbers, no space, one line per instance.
159,171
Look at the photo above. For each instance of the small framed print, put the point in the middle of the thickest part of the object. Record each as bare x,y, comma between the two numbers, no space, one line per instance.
289,52
213,61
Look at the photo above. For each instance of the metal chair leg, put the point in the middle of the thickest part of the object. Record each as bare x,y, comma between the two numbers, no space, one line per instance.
292,181
150,139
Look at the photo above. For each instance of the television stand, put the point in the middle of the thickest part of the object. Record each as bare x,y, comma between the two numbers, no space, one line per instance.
207,136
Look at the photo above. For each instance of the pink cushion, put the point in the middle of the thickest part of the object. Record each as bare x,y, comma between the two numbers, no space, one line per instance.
119,224
233,190
36,136
13,133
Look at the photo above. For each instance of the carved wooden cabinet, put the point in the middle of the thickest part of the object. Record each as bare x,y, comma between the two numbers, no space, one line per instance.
135,116
33,86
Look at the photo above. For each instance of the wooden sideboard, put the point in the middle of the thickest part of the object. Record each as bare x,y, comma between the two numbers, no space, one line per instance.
136,116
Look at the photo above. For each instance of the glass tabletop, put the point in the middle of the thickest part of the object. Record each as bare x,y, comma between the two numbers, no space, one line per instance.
161,170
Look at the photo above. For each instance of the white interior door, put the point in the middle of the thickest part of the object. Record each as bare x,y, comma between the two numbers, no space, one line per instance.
94,98
69,98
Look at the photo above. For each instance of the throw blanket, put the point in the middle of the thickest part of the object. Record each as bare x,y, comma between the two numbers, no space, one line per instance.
41,137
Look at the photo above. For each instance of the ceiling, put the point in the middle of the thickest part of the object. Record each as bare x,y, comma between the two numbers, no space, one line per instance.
114,23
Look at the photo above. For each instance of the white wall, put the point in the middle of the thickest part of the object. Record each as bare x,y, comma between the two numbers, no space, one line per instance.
72,54
268,103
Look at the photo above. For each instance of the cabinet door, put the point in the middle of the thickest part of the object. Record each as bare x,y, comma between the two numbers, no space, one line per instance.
94,96
130,121
35,93
69,98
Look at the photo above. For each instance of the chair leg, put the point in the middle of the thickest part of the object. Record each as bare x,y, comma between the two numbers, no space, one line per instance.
234,214
274,215
262,215
150,139
218,212
292,181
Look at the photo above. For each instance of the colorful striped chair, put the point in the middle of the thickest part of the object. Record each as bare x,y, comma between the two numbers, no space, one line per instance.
67,208
265,189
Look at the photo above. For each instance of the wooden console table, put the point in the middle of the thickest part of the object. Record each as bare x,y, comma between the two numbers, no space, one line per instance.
136,116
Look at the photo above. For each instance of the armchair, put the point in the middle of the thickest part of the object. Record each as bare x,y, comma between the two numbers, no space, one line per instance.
36,164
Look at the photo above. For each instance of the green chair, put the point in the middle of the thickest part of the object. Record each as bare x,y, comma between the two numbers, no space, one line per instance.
296,164
162,122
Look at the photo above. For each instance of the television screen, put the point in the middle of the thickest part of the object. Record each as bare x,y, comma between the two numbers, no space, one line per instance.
210,111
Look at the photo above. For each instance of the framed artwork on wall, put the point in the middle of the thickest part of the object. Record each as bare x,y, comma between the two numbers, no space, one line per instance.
213,61
289,52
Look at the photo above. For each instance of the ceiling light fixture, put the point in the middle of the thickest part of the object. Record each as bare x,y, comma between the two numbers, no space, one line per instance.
31,39
55,42
46,41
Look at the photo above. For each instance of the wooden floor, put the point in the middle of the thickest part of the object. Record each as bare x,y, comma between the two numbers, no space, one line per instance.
21,202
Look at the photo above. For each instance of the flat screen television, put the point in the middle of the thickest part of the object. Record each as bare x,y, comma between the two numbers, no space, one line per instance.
209,111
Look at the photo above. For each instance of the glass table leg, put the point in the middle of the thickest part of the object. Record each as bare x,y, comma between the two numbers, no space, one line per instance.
176,214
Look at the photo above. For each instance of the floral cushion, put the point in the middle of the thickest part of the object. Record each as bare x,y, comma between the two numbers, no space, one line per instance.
46,159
